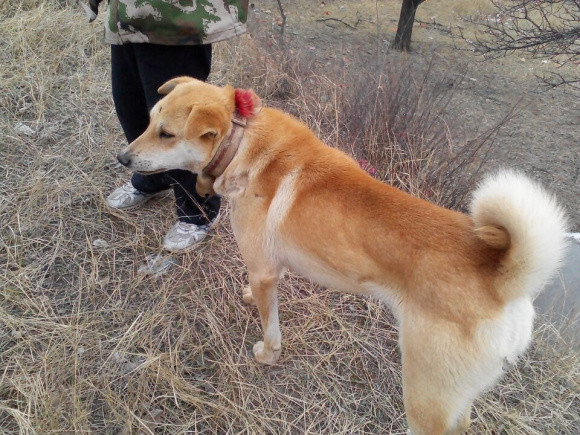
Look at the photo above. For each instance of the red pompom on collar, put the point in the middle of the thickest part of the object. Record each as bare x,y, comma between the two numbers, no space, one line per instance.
247,103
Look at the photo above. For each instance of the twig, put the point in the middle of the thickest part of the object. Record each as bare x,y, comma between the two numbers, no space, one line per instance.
336,19
438,26
282,13
283,23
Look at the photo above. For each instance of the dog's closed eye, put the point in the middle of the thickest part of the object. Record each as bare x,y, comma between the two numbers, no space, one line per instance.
164,135
211,134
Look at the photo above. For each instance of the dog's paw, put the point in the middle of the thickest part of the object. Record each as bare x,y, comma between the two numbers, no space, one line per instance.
247,296
265,356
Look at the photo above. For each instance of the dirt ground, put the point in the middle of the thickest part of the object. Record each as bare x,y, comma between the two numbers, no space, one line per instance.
542,136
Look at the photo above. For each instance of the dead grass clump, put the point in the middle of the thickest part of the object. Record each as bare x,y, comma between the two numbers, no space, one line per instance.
89,343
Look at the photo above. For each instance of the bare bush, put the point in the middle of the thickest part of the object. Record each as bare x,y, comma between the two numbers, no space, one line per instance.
548,29
399,124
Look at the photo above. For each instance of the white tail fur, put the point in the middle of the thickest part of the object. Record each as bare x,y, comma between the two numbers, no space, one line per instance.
536,225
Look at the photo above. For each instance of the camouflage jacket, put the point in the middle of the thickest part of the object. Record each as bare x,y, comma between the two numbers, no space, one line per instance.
175,22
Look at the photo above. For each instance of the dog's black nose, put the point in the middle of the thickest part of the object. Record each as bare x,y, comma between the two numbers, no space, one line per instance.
124,159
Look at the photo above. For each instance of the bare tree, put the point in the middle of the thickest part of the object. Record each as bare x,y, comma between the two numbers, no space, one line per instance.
405,26
547,29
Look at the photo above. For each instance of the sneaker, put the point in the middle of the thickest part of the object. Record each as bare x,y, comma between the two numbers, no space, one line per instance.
183,236
127,197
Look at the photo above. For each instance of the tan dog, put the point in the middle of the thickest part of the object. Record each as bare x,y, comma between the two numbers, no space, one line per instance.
461,286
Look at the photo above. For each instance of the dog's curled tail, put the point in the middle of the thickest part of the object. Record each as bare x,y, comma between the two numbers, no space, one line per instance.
513,213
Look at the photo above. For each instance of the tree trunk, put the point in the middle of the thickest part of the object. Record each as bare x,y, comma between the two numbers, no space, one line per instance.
405,27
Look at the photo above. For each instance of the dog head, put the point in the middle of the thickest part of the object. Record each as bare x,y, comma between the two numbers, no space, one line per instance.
187,126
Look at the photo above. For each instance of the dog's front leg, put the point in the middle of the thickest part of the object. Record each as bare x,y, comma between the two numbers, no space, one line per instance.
264,294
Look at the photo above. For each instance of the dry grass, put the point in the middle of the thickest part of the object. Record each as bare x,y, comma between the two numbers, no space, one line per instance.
89,344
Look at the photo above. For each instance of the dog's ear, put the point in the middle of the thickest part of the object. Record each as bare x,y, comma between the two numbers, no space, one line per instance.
248,104
209,123
170,85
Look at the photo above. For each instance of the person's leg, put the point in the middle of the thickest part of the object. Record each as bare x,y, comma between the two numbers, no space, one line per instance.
157,64
128,94
132,109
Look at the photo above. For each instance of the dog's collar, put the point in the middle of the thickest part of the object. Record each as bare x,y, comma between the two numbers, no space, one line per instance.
227,149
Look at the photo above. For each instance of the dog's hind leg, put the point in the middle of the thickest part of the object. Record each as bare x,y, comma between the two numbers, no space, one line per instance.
465,421
264,293
436,388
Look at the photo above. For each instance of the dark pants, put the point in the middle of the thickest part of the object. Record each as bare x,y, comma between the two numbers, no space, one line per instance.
137,71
